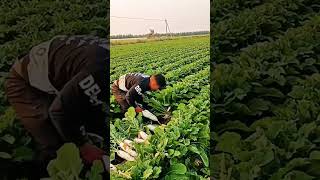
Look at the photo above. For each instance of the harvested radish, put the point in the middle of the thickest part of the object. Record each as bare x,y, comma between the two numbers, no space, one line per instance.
151,127
125,155
138,140
127,149
142,135
128,142
149,115
112,167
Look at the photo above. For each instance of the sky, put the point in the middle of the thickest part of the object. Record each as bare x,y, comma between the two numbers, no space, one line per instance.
182,16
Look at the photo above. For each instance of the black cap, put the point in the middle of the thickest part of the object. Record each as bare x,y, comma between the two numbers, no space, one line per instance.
161,80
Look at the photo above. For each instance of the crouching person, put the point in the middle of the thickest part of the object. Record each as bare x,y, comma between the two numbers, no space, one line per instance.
58,90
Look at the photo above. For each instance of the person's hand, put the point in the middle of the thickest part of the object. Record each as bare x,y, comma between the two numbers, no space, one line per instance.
138,109
90,152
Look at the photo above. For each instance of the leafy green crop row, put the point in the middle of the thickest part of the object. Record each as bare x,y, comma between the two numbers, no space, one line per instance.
223,9
24,24
152,62
162,63
184,139
265,74
131,52
27,23
262,23
264,92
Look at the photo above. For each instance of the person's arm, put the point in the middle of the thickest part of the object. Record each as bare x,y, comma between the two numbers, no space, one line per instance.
134,95
79,96
62,111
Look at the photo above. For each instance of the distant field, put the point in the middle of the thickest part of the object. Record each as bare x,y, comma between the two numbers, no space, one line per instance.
144,39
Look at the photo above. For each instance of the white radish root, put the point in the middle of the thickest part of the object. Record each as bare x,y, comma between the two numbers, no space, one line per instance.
128,142
149,115
125,155
142,135
138,140
127,149
151,127
113,167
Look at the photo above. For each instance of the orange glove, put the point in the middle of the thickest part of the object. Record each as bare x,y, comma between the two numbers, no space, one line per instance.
138,109
90,152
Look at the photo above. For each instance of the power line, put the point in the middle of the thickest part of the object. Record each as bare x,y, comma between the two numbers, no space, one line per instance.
147,19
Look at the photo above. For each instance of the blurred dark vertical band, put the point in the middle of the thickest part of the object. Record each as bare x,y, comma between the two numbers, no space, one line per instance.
24,25
265,84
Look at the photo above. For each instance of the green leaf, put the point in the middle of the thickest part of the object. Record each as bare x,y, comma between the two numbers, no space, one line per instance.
23,154
248,170
112,156
204,157
95,171
232,125
257,105
177,168
194,149
229,142
268,92
297,92
156,171
176,153
147,173
313,168
176,177
7,118
262,157
68,163
298,175
306,129
131,113
315,155
5,155
170,152
8,138
294,163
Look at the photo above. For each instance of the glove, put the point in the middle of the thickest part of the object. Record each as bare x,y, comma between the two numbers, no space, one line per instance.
90,152
138,109
149,115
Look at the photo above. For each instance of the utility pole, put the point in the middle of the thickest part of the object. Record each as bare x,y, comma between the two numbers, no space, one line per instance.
167,27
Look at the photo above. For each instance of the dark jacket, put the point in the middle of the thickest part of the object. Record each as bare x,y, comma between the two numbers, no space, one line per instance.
75,70
135,85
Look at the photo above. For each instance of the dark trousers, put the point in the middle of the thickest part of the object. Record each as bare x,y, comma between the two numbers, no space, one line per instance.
120,97
31,106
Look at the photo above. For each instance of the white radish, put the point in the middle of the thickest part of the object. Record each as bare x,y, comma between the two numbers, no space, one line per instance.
128,142
132,152
113,167
142,135
152,127
125,155
138,140
127,149
149,115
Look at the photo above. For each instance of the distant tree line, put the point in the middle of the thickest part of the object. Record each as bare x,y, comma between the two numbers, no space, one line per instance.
125,36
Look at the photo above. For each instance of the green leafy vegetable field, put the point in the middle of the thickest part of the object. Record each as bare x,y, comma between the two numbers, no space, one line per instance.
265,89
180,148
24,24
